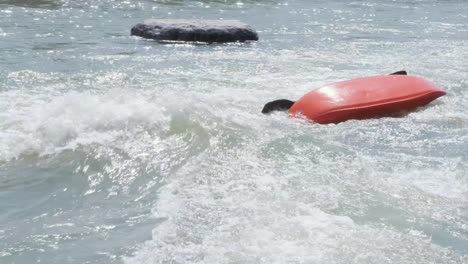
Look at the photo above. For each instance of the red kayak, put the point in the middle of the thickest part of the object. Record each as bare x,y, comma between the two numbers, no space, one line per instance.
365,98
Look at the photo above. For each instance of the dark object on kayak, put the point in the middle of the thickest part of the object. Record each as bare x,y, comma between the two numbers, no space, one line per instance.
277,105
209,31
399,73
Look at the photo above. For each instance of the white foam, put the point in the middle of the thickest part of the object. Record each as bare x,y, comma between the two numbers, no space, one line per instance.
239,203
43,126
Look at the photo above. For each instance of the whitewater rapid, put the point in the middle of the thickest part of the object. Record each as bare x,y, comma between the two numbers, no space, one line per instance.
115,149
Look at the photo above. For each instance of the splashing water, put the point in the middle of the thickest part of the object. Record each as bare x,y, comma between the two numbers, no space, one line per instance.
115,149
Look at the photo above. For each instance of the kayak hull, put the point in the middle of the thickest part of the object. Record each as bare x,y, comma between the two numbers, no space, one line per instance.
365,98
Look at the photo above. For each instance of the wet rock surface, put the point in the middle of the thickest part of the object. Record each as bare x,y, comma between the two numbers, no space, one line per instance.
210,31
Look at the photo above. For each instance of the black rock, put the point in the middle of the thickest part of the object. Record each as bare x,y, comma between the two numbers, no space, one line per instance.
195,30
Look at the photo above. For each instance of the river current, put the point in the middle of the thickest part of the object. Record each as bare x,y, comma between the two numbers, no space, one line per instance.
116,149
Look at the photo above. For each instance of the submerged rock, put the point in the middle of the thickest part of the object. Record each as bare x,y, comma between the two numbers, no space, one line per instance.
195,30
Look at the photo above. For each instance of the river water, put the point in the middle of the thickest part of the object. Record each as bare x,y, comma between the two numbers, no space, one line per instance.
115,149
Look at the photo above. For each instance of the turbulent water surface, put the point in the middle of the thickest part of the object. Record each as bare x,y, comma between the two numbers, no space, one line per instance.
115,149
